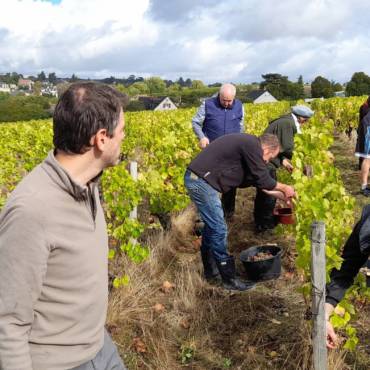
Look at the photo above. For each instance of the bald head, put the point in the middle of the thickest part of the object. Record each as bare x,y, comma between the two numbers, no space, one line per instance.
227,95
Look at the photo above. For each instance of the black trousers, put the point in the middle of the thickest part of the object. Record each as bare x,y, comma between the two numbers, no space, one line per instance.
228,202
264,206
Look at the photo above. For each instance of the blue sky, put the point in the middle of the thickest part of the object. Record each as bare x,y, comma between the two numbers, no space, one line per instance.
227,40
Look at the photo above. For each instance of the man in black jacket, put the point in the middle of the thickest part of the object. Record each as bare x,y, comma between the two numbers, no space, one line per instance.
355,254
229,162
285,128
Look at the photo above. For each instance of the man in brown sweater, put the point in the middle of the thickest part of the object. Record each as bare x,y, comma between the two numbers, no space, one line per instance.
54,244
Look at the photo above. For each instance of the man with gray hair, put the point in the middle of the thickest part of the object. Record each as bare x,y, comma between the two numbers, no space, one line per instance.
217,116
285,128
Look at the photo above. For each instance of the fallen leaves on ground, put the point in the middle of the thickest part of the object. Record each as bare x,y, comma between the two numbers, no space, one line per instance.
158,307
185,323
167,287
138,345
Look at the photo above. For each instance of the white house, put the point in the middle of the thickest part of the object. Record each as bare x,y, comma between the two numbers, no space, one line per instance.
4,87
157,104
260,96
340,94
49,89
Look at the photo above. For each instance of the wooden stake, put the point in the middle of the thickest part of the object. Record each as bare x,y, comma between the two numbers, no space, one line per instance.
318,277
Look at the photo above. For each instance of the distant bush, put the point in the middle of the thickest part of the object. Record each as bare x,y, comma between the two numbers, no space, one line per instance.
24,108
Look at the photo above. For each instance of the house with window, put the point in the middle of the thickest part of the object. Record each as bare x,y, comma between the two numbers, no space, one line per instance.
49,89
4,87
340,94
157,104
260,96
25,84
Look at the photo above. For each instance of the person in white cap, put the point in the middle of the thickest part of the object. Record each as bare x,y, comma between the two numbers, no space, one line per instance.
284,128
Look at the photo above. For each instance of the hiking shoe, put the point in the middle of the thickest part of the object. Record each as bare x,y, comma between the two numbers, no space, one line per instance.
365,192
198,227
237,284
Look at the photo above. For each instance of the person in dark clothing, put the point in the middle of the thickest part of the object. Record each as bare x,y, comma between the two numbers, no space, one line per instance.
284,128
360,144
355,254
231,161
218,116
364,109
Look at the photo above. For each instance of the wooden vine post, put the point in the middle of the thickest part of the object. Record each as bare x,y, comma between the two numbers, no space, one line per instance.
318,277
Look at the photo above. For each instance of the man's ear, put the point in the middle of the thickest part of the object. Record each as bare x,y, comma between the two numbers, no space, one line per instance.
99,139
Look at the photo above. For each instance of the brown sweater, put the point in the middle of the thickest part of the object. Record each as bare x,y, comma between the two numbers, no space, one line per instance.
53,272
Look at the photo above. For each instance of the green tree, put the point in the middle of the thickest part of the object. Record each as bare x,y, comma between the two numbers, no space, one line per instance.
133,91
41,76
197,84
174,88
321,87
276,84
37,88
142,87
52,78
358,85
300,84
12,78
156,85
121,88
336,86
74,78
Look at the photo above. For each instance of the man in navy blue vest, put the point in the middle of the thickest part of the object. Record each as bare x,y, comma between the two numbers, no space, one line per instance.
217,116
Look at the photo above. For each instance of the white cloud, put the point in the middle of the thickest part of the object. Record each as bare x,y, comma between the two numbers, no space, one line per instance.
233,40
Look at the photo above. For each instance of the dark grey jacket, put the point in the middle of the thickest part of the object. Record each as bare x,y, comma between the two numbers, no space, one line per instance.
233,161
285,129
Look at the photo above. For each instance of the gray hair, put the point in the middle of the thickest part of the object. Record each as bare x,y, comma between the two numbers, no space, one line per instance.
270,141
228,89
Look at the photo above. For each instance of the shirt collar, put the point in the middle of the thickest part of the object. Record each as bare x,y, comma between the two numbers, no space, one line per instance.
297,125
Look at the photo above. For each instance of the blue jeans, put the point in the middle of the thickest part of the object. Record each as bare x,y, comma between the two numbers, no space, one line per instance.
208,202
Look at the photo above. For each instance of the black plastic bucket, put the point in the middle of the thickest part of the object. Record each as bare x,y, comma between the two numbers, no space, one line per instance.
265,269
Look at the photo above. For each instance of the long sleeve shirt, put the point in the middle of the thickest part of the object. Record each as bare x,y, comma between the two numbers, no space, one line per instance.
231,161
53,272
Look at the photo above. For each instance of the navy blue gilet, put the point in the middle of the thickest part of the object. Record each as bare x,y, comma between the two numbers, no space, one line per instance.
221,121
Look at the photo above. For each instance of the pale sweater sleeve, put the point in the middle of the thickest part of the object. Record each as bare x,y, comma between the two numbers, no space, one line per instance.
198,120
23,259
242,120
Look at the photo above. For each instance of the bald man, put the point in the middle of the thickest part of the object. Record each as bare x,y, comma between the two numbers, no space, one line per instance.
217,116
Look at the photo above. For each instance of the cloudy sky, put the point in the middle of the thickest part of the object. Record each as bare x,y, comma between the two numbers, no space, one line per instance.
214,41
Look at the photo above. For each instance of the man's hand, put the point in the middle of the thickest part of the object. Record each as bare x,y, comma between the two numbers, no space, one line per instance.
203,142
287,165
289,191
286,189
331,337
